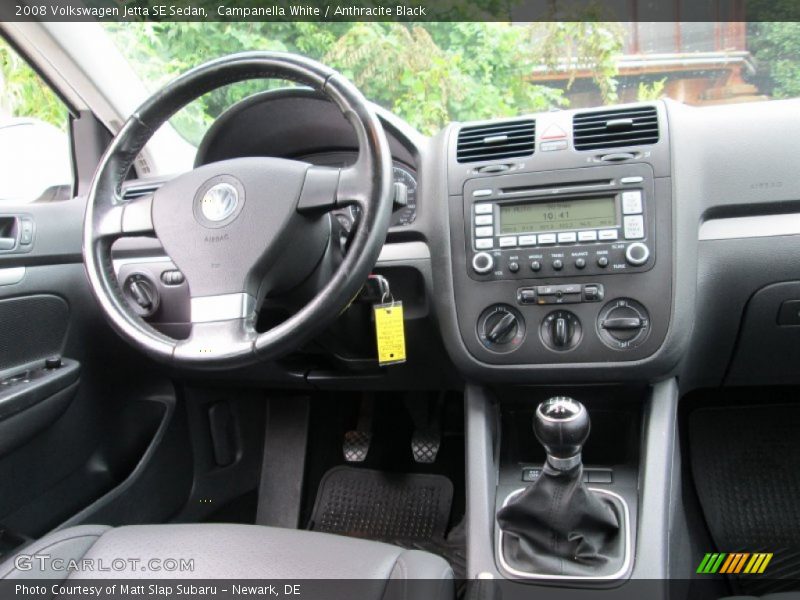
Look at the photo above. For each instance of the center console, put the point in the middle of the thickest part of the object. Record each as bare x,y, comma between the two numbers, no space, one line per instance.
564,256
561,256
580,500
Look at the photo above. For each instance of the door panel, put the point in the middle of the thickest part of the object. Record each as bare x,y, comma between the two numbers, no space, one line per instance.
107,420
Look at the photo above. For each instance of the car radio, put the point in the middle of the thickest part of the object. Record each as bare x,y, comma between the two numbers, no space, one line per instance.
522,229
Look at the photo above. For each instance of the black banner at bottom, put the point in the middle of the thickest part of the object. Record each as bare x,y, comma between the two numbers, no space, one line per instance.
711,588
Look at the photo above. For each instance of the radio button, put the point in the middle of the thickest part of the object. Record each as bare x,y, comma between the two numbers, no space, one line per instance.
602,261
608,234
527,240
483,209
506,242
558,264
567,237
634,179
547,238
634,227
632,203
484,244
587,236
580,263
483,220
536,266
484,231
513,266
481,193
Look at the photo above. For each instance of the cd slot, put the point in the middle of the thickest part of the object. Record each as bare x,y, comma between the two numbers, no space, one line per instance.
549,189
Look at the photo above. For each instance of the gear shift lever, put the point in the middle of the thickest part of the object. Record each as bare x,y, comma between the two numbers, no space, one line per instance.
562,426
557,525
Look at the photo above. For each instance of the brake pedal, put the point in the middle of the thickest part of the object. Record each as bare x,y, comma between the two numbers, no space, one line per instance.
356,441
356,445
427,438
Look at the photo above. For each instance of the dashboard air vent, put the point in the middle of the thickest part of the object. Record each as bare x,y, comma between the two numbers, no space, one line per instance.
506,139
613,128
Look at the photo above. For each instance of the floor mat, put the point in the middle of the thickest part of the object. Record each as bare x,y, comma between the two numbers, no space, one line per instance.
408,510
746,467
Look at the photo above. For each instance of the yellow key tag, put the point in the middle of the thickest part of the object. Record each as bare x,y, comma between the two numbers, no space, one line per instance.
390,333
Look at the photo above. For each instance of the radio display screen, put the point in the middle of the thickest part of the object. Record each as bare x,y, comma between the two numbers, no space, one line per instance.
579,213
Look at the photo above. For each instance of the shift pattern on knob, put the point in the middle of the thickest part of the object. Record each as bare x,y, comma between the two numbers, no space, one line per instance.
562,426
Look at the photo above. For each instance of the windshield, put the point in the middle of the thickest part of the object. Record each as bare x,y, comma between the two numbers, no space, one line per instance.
433,73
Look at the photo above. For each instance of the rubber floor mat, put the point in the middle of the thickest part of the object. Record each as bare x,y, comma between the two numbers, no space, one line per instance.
409,510
746,468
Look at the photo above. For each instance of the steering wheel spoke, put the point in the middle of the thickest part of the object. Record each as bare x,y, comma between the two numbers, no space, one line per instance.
329,188
222,327
217,342
208,309
137,216
353,180
131,218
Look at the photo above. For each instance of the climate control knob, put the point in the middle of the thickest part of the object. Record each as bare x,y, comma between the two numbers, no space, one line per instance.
501,328
623,324
482,262
561,330
637,254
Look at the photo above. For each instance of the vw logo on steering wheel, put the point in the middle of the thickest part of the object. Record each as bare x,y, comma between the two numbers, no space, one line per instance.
219,202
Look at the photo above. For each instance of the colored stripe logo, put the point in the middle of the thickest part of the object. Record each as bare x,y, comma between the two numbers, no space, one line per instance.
734,563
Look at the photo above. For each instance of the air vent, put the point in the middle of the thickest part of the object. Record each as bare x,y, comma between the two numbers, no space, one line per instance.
137,191
613,128
499,140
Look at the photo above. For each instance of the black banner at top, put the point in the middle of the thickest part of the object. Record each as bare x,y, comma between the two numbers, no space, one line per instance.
400,10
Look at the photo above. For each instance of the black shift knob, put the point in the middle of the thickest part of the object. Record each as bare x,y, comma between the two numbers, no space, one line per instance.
562,426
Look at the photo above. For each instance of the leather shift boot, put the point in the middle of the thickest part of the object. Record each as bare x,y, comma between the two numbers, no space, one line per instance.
559,526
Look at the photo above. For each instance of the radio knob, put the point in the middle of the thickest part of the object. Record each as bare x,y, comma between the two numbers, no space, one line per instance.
637,254
482,262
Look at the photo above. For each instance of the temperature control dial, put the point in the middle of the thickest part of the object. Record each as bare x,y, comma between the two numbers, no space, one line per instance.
623,323
561,330
501,328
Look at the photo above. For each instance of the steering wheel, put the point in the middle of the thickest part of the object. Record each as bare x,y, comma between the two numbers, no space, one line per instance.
241,229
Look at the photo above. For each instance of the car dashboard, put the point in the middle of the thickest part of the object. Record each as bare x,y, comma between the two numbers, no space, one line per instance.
622,243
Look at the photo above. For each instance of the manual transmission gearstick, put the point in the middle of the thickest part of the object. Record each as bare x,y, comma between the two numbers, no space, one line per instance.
562,426
557,525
